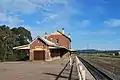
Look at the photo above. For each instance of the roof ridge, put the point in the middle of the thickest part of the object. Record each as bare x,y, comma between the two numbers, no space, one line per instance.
64,35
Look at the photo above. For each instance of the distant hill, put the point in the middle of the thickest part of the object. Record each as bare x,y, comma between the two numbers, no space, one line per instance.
97,51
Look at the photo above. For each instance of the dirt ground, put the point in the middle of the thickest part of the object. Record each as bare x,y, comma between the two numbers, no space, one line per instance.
36,70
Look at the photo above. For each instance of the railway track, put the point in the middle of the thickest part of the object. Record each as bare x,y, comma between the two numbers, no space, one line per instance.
97,74
67,69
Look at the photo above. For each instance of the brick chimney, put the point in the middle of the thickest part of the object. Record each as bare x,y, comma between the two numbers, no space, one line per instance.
63,30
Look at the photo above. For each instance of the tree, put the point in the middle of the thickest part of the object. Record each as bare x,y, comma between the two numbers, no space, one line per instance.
10,38
6,41
22,35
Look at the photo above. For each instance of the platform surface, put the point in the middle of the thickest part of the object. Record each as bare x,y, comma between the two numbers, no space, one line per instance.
36,70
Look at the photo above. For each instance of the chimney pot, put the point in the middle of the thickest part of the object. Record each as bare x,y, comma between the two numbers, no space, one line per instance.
69,35
63,30
46,35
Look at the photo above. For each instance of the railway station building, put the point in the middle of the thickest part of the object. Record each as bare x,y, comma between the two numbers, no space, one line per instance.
49,47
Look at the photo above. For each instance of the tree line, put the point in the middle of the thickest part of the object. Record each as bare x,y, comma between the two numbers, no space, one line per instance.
11,37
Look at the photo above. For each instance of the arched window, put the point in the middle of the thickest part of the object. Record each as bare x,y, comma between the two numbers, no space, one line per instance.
57,41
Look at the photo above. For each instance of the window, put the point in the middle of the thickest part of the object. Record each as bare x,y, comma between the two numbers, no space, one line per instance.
57,40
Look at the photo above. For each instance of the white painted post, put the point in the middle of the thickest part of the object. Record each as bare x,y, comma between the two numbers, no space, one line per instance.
80,67
70,61
83,74
79,74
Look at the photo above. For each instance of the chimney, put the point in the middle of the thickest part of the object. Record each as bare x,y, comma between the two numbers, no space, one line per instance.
63,30
46,35
69,35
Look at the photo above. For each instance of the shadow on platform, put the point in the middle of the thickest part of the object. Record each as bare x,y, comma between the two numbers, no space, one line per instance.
56,75
61,76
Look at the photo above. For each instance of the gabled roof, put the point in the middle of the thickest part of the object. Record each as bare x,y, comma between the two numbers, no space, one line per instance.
49,43
64,35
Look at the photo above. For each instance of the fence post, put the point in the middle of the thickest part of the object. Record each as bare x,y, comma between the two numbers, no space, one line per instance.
83,74
80,66
70,61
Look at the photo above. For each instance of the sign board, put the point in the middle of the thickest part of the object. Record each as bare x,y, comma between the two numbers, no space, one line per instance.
40,47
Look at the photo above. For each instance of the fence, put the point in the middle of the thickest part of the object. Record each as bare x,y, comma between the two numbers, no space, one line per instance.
81,71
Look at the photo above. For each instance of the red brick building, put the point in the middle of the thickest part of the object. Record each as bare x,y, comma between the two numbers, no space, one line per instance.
48,48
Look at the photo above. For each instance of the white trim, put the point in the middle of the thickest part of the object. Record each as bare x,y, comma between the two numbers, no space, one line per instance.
22,47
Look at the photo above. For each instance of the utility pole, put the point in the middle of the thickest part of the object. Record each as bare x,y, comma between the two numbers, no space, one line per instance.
87,46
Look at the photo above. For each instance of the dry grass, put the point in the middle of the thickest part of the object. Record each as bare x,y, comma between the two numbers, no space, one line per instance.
109,63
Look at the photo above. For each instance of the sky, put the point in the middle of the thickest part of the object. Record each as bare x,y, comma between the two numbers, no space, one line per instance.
93,24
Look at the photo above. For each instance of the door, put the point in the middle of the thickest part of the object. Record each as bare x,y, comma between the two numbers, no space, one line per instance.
39,55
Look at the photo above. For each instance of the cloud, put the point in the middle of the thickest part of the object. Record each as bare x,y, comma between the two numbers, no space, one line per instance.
97,33
48,18
3,17
53,16
49,2
113,23
84,23
38,22
27,6
12,20
62,15
22,6
81,24
45,7
54,13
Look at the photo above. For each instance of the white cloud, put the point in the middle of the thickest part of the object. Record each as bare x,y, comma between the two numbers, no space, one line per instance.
22,6
40,1
27,6
3,17
40,22
15,7
97,33
48,18
84,23
53,16
47,2
113,22
12,20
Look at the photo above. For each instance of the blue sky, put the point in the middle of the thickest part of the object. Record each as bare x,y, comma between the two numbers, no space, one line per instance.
92,23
